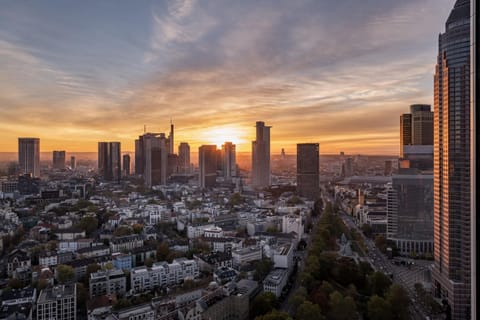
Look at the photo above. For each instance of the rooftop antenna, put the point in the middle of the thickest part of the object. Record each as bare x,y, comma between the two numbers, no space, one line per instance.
144,128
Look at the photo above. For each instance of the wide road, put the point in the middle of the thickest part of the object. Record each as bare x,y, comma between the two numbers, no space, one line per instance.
381,263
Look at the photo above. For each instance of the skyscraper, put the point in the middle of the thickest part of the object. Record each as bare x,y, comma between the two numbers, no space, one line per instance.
126,164
155,151
29,156
184,158
109,160
405,131
416,127
475,165
308,170
207,164
451,272
59,160
73,162
422,124
229,164
261,156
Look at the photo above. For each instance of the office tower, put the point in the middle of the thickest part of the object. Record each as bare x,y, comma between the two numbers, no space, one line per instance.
422,124
261,156
475,194
308,170
139,156
109,161
416,127
451,271
155,155
348,167
59,302
126,164
184,158
207,164
171,144
229,161
29,156
410,212
405,131
172,165
73,162
59,160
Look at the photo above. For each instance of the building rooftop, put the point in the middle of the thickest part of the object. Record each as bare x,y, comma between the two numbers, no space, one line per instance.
57,292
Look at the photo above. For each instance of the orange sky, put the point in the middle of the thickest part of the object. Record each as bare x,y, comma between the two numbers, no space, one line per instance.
321,71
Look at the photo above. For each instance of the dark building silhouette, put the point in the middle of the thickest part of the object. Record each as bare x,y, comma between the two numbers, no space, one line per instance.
29,156
59,160
261,156
207,164
184,158
109,161
308,170
126,164
452,233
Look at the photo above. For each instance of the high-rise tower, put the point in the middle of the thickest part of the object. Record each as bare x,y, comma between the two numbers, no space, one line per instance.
451,272
109,160
229,165
59,160
184,158
308,170
207,164
261,156
29,156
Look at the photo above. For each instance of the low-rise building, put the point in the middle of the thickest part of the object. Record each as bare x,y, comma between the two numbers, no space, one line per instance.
275,281
107,283
245,255
163,274
59,303
126,243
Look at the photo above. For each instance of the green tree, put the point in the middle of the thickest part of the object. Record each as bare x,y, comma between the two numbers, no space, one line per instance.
15,283
342,308
88,224
123,231
262,269
398,298
379,309
381,242
274,315
65,273
309,311
263,303
298,297
137,228
163,251
379,283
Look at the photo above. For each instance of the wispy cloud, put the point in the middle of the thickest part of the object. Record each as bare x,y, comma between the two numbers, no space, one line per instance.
336,72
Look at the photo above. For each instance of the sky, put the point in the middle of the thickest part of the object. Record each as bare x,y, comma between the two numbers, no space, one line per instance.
336,72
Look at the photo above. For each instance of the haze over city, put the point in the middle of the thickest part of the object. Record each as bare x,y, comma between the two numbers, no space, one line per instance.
334,72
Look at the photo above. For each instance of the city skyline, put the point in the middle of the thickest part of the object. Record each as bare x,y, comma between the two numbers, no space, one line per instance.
200,64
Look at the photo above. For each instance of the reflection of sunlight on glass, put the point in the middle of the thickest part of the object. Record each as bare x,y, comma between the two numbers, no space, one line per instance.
219,135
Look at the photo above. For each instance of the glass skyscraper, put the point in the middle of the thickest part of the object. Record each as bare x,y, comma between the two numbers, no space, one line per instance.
451,272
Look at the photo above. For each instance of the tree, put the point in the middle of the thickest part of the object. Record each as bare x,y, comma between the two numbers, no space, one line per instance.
379,283
263,303
262,269
137,228
15,283
122,231
309,311
379,309
162,251
65,273
317,207
122,303
342,308
274,315
367,230
399,300
88,224
381,243
298,297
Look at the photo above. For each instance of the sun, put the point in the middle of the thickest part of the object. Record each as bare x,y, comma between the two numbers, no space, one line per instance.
220,135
